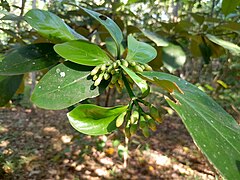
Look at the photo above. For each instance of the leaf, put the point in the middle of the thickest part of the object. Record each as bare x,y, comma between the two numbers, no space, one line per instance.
233,48
167,85
95,120
142,84
29,58
8,87
229,6
173,57
65,85
140,51
51,26
82,52
109,24
214,131
110,45
157,39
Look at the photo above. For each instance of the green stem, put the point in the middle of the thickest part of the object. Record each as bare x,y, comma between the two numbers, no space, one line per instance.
129,90
118,51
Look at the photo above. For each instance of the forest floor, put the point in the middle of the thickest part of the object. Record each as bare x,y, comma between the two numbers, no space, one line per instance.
42,144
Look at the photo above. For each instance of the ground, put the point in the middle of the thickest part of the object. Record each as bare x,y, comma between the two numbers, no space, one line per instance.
41,144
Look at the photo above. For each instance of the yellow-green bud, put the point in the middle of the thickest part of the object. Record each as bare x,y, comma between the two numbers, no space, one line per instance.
152,125
114,79
124,63
95,70
132,63
145,132
138,68
99,79
134,117
106,76
155,114
142,122
120,119
133,129
103,67
110,68
115,65
118,62
95,77
147,67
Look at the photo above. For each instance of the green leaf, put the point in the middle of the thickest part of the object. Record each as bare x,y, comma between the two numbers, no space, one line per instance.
233,48
8,87
173,57
140,51
65,85
51,26
214,131
109,24
142,84
229,6
82,52
157,39
29,58
110,45
95,120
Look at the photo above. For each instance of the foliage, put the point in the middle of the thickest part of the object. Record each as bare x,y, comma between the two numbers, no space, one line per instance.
82,69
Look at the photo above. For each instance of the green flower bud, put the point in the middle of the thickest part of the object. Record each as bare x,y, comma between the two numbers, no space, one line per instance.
106,76
99,79
110,68
124,63
147,67
103,67
155,114
145,132
142,122
95,70
115,65
152,125
119,89
134,117
118,62
132,63
138,68
120,119
114,79
133,129
95,77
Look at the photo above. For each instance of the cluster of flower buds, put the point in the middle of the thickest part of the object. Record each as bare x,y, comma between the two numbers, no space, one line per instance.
113,70
135,120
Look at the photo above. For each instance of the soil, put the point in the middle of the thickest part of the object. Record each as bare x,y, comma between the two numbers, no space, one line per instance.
41,144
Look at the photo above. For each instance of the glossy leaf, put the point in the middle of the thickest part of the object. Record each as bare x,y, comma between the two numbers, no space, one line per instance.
157,39
95,120
173,57
65,85
29,58
229,6
140,51
110,45
233,48
142,84
109,24
8,87
214,131
82,52
51,26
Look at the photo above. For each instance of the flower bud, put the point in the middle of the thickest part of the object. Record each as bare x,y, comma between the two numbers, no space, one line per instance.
106,76
103,67
95,77
155,114
133,129
147,67
152,125
99,79
95,70
134,117
120,119
124,63
145,132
